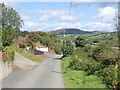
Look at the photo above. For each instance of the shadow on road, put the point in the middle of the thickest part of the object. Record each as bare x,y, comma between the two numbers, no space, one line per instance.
57,72
58,58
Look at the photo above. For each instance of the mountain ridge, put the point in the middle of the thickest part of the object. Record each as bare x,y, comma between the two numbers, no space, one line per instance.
69,31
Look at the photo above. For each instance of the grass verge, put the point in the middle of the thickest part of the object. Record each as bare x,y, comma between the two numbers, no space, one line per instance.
26,54
78,79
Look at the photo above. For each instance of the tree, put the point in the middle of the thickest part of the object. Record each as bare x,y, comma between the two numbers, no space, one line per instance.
79,42
24,33
10,17
7,36
11,23
67,48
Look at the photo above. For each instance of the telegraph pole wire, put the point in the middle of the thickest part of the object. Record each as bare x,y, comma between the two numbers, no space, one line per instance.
67,20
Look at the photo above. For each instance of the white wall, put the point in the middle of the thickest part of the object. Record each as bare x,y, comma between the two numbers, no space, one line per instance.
42,49
5,69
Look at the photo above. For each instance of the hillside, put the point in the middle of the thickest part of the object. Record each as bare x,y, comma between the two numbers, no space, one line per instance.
69,31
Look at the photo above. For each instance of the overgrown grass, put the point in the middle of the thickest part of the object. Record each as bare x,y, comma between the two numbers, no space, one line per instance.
26,54
79,79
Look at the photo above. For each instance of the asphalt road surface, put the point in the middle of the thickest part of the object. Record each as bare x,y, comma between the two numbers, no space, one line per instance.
47,74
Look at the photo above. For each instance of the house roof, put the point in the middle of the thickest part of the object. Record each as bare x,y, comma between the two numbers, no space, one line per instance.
39,45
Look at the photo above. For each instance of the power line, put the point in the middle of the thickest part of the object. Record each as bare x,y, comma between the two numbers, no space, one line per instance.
67,17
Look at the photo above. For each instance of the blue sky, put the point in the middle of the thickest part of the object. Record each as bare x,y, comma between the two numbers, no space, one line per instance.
47,16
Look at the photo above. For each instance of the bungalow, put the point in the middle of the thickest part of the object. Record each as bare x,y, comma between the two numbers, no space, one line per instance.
41,47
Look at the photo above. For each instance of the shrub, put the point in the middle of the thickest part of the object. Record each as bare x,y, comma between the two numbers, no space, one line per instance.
80,42
106,54
57,50
1,48
95,41
89,49
22,46
110,76
67,48
8,54
90,66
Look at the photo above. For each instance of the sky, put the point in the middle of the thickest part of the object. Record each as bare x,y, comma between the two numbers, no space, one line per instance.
48,16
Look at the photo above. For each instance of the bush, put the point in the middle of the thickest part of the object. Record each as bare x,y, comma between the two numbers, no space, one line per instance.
106,54
58,50
110,76
79,79
89,49
1,48
8,54
22,46
80,42
67,48
95,41
90,66
7,36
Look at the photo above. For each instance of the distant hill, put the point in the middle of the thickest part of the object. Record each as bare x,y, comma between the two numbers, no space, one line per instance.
69,31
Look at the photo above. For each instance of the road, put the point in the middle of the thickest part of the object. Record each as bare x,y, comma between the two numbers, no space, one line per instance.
46,75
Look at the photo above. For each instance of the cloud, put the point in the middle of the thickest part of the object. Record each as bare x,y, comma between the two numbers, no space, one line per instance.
47,20
44,15
106,14
98,26
33,26
44,12
57,19
103,21
38,26
25,17
44,18
12,4
51,15
69,18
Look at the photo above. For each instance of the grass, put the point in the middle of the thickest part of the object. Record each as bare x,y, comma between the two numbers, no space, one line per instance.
26,54
78,79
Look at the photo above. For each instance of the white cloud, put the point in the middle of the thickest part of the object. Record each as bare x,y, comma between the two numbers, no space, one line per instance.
67,25
33,26
107,14
103,20
12,4
25,17
44,18
36,26
46,12
98,26
70,18
58,12
46,15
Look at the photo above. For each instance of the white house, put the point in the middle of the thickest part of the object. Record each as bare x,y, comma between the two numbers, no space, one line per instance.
43,49
40,47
